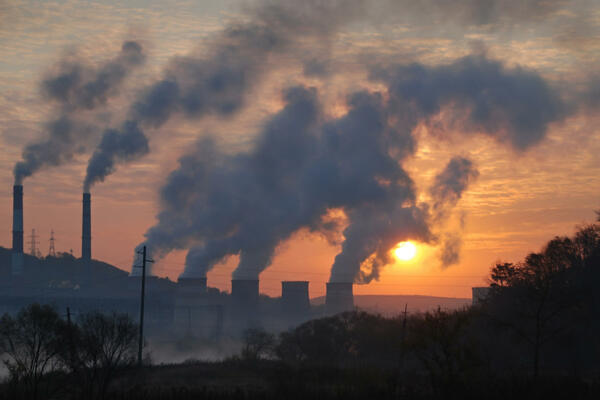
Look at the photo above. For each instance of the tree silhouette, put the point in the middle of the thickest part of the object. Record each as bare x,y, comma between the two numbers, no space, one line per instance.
30,342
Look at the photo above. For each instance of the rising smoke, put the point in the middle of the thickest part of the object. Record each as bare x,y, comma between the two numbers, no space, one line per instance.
450,184
445,192
304,165
217,82
74,88
513,105
125,144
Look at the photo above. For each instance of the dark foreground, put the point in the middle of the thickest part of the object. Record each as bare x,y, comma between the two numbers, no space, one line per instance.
262,379
535,335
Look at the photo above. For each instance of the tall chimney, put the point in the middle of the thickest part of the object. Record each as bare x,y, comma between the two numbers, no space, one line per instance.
17,243
339,297
86,228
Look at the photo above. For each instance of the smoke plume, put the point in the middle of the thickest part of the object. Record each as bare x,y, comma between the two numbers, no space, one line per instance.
116,145
450,249
450,184
75,88
304,165
445,192
513,105
218,81
78,87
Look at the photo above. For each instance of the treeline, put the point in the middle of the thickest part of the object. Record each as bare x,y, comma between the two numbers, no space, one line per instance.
539,323
48,356
536,335
541,315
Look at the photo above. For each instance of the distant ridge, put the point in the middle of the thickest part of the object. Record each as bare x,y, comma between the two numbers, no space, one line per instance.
66,275
390,305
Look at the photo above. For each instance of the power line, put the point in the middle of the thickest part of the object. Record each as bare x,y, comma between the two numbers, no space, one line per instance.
141,339
33,242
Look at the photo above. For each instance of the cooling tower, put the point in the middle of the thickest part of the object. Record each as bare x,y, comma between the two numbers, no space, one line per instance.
244,294
86,228
294,297
191,286
17,244
339,297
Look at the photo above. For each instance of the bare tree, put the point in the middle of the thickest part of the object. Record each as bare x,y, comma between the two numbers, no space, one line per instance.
29,344
257,344
99,345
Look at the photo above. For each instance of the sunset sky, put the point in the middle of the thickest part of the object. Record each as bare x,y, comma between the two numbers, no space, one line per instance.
529,183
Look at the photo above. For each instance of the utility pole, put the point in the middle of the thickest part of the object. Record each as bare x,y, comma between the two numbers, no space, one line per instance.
141,340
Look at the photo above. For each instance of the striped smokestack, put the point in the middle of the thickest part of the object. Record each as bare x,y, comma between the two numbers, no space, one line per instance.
17,244
86,228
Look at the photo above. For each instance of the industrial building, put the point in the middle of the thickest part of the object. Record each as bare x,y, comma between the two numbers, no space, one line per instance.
188,307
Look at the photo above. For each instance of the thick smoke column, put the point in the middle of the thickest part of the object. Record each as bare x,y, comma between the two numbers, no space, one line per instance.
303,166
218,82
75,89
125,144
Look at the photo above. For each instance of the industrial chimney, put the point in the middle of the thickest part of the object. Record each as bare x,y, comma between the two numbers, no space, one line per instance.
294,298
244,294
17,244
86,228
339,297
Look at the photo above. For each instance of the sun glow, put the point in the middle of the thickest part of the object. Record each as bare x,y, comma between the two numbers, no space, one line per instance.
405,251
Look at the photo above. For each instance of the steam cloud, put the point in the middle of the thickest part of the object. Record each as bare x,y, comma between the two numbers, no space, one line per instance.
446,191
513,105
450,249
449,185
75,87
304,165
125,144
218,82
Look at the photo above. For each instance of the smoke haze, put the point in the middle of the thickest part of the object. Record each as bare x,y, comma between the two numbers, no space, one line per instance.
304,165
72,88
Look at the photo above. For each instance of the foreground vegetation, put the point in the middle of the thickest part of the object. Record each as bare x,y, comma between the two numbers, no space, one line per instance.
536,335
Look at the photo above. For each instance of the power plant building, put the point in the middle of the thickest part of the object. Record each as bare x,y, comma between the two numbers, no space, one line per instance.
339,297
185,308
294,297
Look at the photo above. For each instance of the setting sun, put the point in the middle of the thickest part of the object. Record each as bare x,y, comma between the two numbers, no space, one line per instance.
405,251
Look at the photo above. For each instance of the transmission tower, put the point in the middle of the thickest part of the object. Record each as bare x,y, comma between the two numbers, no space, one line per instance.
51,249
33,244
